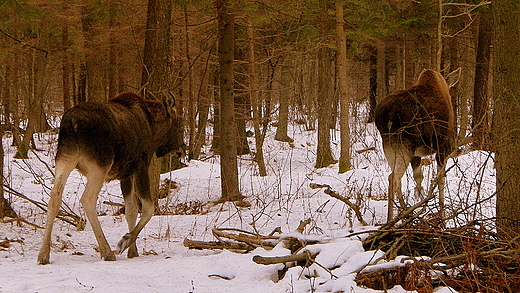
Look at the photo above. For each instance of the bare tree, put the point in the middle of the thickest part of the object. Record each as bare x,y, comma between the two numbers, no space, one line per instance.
228,151
506,120
344,159
157,67
255,101
481,116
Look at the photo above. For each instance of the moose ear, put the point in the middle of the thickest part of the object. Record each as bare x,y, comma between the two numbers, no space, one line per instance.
453,77
169,102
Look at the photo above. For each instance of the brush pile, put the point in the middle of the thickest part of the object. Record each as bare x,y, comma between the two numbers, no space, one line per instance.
414,251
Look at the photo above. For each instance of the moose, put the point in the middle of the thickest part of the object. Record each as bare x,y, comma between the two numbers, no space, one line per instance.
414,123
113,140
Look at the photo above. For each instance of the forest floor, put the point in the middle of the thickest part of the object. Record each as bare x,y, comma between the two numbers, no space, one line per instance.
281,199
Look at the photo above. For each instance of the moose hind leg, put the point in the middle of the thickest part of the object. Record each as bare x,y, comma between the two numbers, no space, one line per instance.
131,210
441,174
63,169
418,176
95,179
398,158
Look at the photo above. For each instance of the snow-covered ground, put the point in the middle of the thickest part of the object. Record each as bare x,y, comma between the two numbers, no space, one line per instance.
282,199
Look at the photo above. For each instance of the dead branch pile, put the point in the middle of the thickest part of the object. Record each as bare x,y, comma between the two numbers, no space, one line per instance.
470,258
241,240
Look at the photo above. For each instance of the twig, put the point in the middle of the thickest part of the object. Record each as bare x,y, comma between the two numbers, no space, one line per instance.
24,43
335,195
78,222
23,221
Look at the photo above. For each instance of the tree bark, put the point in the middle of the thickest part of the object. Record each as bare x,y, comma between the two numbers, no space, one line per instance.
228,152
35,121
283,120
324,95
241,102
156,68
93,55
5,207
65,65
323,152
255,101
506,120
344,159
481,99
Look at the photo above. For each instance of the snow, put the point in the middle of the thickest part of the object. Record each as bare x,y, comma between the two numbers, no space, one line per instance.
282,199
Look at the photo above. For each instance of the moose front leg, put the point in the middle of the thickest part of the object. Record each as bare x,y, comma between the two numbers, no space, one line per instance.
131,211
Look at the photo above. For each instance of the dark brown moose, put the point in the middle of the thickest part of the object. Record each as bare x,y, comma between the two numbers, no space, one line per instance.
113,140
414,123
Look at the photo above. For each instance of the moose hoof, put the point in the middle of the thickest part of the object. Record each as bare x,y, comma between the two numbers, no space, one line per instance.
43,260
124,243
132,254
110,257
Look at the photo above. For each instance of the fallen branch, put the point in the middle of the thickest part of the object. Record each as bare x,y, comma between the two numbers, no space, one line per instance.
345,200
63,215
271,260
193,244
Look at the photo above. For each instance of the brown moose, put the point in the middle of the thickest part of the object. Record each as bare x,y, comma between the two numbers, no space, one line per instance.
113,140
414,123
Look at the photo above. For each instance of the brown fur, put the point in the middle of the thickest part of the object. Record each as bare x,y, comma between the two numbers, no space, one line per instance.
107,141
414,123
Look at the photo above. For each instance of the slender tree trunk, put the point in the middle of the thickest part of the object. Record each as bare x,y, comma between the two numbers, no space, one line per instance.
506,120
255,101
324,95
82,84
204,102
66,66
113,53
34,119
242,103
5,208
93,56
283,119
323,152
480,122
215,145
438,53
382,76
228,151
372,91
344,159
191,107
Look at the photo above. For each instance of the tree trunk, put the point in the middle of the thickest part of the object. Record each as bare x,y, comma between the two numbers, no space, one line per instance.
344,159
93,55
191,111
113,53
323,152
204,102
34,105
5,208
65,65
283,119
215,144
382,76
372,91
255,101
156,68
228,152
324,95
506,120
480,123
